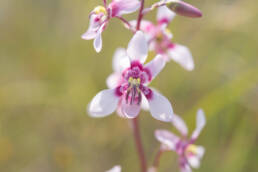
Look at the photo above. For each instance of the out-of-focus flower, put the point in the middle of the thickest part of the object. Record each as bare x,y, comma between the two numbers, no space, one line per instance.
179,7
100,16
159,39
189,154
128,89
116,168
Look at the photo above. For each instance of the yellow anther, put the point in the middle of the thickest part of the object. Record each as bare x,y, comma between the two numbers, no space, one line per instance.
134,81
100,9
191,149
130,79
168,31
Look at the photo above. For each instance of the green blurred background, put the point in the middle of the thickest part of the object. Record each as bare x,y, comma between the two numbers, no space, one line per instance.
48,75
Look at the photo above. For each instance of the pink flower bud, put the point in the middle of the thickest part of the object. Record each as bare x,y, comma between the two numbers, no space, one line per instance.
184,9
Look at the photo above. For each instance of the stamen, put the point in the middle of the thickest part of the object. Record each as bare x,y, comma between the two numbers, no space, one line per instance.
139,97
127,95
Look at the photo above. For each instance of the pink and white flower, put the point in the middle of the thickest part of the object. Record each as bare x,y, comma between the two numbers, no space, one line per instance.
101,15
129,87
189,154
159,39
116,168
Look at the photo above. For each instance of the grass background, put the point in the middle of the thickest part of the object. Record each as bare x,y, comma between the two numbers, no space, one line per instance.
48,75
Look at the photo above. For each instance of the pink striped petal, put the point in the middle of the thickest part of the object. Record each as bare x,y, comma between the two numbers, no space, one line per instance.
130,110
120,7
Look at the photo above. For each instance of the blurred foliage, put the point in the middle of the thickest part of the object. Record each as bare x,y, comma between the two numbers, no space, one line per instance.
48,74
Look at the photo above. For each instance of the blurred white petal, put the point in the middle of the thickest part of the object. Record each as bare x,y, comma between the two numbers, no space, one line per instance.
180,125
182,56
200,123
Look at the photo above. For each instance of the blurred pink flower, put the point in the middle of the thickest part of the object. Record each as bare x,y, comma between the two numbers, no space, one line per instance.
116,168
189,154
100,16
128,85
159,39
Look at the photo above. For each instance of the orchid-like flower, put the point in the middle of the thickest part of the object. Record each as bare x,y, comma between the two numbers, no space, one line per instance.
116,168
101,15
130,86
121,62
159,39
189,154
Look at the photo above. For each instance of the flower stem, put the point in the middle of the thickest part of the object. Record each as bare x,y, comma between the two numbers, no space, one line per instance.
138,143
157,159
105,3
126,23
140,16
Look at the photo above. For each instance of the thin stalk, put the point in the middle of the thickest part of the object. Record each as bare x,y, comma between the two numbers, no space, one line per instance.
105,3
138,143
157,159
140,16
126,23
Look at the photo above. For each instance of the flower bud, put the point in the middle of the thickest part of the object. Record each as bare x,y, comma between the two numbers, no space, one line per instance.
184,9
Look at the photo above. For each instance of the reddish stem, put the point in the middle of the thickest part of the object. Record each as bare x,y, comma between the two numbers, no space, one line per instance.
140,16
157,159
138,143
125,22
105,3
136,131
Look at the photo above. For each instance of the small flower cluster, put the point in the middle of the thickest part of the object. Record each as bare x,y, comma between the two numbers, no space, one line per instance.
128,86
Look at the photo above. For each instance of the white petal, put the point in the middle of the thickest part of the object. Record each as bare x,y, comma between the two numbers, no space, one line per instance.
183,56
193,161
186,168
160,107
120,60
89,35
167,138
138,47
103,104
130,110
125,6
145,104
156,65
164,13
92,30
113,80
146,25
98,43
116,168
200,150
200,123
180,125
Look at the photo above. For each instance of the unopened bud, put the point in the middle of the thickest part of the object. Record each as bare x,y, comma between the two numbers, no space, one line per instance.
184,9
